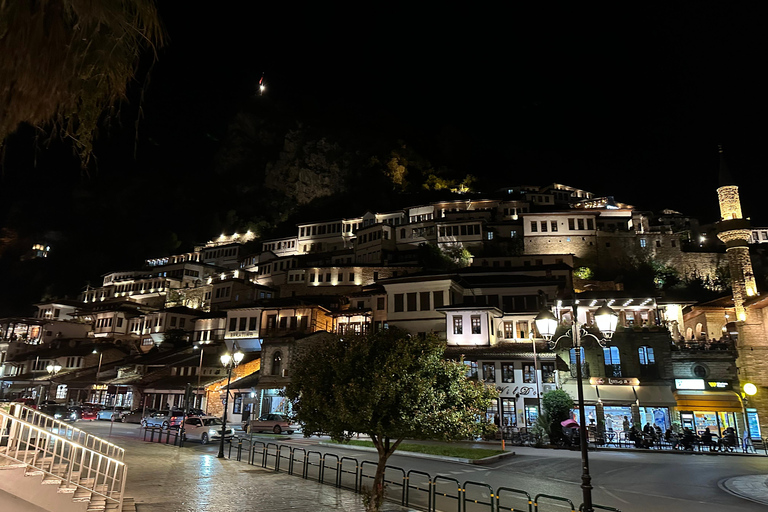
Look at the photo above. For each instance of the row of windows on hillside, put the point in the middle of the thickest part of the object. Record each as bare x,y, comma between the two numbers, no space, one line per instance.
508,372
220,253
418,301
573,225
460,230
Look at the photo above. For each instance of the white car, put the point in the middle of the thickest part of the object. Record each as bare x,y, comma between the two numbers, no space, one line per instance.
205,429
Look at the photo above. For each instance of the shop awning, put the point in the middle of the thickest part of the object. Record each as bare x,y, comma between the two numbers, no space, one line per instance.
655,396
717,401
617,394
590,393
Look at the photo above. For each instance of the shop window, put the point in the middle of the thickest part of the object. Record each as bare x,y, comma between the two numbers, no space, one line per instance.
489,372
507,372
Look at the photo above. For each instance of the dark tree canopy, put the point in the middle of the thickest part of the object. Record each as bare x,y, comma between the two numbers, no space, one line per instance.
65,63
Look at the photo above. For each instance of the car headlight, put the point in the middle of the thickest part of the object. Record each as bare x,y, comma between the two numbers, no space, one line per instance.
212,432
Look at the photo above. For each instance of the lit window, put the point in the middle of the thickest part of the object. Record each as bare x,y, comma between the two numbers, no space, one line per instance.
458,325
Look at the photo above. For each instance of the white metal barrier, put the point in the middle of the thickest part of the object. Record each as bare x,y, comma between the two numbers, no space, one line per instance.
58,455
66,429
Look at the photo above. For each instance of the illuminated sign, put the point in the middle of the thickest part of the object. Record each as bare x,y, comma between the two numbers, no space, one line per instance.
613,381
713,384
689,384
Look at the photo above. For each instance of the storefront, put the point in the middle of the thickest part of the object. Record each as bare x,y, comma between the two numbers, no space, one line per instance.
699,408
611,402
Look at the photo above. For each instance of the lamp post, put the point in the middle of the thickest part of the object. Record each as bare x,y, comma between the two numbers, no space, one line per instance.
606,320
98,371
199,372
229,361
52,369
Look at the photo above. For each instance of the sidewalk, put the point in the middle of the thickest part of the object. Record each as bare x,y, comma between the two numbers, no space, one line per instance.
163,478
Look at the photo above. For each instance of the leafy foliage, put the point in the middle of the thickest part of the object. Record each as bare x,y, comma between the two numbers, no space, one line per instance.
388,385
557,404
66,62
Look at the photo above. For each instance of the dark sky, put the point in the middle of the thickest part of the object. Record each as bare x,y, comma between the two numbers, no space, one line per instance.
624,100
627,100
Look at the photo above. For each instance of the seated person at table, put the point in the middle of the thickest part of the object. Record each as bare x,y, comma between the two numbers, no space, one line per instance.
707,440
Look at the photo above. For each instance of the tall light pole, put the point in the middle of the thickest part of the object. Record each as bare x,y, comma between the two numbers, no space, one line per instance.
606,320
52,369
199,372
98,370
229,361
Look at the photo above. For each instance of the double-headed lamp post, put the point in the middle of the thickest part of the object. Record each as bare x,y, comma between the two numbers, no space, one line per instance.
52,369
229,361
606,320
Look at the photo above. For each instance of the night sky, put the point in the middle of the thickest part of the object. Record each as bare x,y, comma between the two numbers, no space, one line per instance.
629,100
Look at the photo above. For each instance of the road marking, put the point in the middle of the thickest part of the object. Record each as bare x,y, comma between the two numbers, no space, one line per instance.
565,481
609,493
667,497
520,461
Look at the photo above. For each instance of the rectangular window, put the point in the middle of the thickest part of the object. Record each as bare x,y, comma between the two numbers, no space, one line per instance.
380,303
571,224
580,223
437,299
522,327
351,277
553,225
543,226
509,330
182,322
243,323
458,325
475,321
471,369
643,243
507,372
411,297
424,301
534,226
590,224
173,321
233,324
399,303
529,372
489,372
548,373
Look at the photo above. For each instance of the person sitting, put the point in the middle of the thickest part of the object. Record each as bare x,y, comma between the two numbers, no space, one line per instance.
728,443
707,439
689,439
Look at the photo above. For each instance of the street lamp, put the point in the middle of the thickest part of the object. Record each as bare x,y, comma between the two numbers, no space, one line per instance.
98,371
606,320
229,361
52,369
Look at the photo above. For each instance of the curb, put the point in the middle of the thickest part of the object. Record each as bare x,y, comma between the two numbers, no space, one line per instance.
731,486
486,460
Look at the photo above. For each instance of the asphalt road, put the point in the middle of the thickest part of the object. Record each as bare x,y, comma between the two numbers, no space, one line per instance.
629,481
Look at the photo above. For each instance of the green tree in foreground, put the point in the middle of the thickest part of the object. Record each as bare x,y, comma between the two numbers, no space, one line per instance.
557,404
390,386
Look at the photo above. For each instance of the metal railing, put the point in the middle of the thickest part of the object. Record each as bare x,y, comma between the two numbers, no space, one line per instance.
60,457
407,488
66,430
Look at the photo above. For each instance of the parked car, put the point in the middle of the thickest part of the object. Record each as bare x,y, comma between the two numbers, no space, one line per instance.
206,429
157,419
177,416
78,412
111,413
57,411
29,402
136,415
276,423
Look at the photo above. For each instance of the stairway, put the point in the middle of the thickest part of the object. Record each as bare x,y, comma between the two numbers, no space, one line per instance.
43,471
